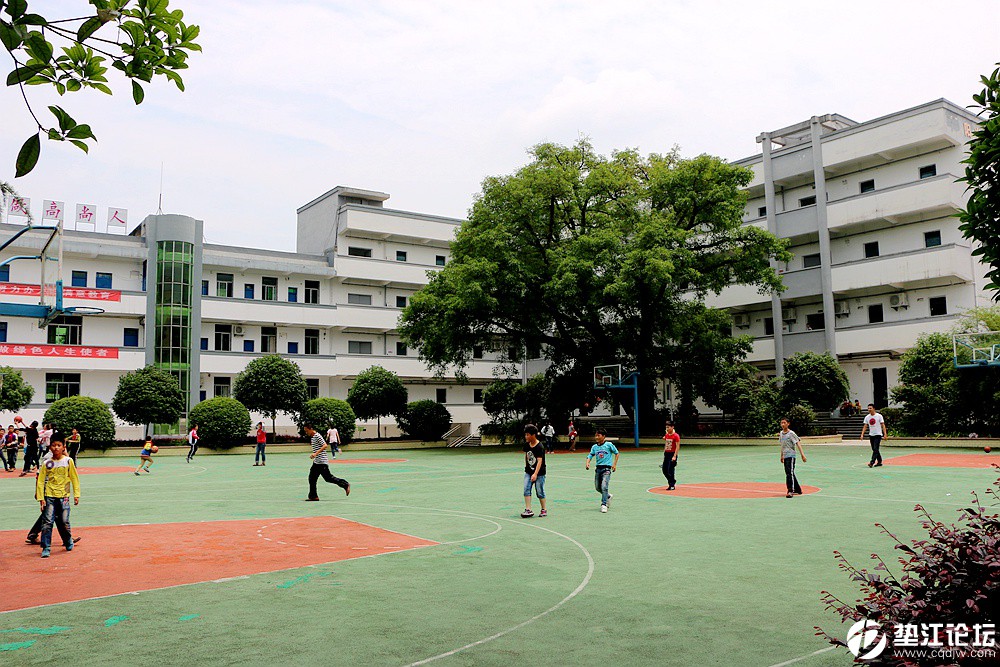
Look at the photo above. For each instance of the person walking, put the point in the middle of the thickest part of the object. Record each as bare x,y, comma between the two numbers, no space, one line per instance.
73,444
333,439
259,458
549,433
534,471
671,448
30,449
321,464
875,425
788,440
607,462
572,434
11,443
52,493
192,442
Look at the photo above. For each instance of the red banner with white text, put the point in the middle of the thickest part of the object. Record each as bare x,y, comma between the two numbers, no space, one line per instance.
21,289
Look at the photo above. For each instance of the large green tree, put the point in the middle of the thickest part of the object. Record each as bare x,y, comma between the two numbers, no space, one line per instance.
148,396
377,393
814,379
981,217
15,393
596,260
269,385
146,39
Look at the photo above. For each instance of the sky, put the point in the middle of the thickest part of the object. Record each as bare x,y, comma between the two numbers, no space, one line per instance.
423,100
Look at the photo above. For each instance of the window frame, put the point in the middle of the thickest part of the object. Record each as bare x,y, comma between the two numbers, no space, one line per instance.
358,299
224,287
812,257
311,292
441,395
401,255
61,385
804,201
78,278
74,330
935,301
867,249
929,236
311,341
125,336
223,338
103,277
359,251
927,171
876,308
293,294
226,387
358,347
249,291
269,340
866,186
401,350
268,288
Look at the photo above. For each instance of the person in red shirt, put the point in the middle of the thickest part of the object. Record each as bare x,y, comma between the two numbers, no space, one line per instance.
671,447
260,459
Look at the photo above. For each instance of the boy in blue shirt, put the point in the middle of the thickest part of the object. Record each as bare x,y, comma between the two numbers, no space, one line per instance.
607,462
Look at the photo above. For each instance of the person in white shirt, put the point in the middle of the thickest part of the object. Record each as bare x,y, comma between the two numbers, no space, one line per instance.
875,425
333,438
549,433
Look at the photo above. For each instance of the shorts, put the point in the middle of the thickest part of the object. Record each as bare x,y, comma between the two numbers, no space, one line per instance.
539,485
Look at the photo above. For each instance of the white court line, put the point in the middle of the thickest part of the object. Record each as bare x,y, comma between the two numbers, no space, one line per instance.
804,657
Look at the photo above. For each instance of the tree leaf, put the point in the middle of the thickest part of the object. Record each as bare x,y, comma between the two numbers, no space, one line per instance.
89,27
17,8
66,121
10,37
39,47
80,144
22,74
31,19
27,157
137,92
81,131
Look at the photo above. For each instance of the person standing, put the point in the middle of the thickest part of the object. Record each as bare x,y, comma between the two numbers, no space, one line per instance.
44,439
788,440
875,425
671,448
534,471
52,493
321,464
603,451
572,436
30,449
73,444
192,442
333,439
549,434
260,459
11,443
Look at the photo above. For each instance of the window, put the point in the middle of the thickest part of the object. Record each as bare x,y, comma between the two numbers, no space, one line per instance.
66,330
400,302
360,299
441,394
204,288
130,337
400,348
312,341
79,279
202,395
871,249
312,291
932,239
5,274
223,387
875,314
477,395
439,260
359,347
248,289
477,352
762,211
807,201
269,339
248,345
929,171
815,321
809,261
939,305
400,255
61,385
269,289
3,332
224,284
204,343
867,186
223,337
103,280
768,326
355,251
293,295
312,388
293,347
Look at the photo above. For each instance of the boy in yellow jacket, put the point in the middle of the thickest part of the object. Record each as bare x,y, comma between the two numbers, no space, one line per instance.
52,493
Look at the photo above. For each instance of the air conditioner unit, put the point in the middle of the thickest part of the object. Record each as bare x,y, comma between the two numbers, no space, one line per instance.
741,320
901,300
841,308
237,331
788,314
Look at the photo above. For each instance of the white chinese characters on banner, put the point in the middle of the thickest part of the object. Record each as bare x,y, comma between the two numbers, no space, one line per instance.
86,215
53,211
117,218
19,206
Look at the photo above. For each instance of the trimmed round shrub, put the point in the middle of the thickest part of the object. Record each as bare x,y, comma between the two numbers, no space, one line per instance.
800,419
326,412
91,417
424,420
222,422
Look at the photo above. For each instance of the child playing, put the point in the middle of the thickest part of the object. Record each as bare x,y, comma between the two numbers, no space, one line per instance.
572,436
11,443
534,470
192,442
789,440
603,451
145,456
671,447
52,494
259,457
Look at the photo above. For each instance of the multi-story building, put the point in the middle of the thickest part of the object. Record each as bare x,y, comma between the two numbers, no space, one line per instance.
869,210
203,311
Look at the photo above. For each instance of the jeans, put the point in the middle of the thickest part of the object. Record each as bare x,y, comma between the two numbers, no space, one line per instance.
74,451
670,468
791,481
323,470
602,477
30,457
12,457
539,485
259,455
192,451
57,511
876,440
548,444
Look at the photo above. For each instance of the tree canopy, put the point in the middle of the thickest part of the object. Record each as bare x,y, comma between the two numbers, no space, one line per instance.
596,260
15,393
147,40
814,379
376,393
148,396
269,385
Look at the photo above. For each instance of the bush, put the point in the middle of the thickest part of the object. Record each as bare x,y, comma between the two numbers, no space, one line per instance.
326,412
91,417
148,396
813,379
800,418
222,422
426,420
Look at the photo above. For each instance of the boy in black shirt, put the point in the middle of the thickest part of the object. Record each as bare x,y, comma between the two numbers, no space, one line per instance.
534,470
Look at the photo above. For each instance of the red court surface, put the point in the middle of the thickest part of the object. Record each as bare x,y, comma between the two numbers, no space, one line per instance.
730,490
982,460
369,461
81,470
111,560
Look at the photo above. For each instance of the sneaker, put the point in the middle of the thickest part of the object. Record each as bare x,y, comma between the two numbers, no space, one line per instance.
527,514
69,547
256,465
347,490
45,553
788,495
543,513
312,499
671,488
136,473
31,539
870,464
878,465
23,474
604,509
145,469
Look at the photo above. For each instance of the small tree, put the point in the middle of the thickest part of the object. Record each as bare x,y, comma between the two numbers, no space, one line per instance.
426,420
324,413
148,396
751,397
800,417
15,393
376,393
269,385
89,416
816,380
502,400
222,422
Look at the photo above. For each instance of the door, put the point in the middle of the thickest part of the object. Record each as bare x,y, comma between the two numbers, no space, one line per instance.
880,387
